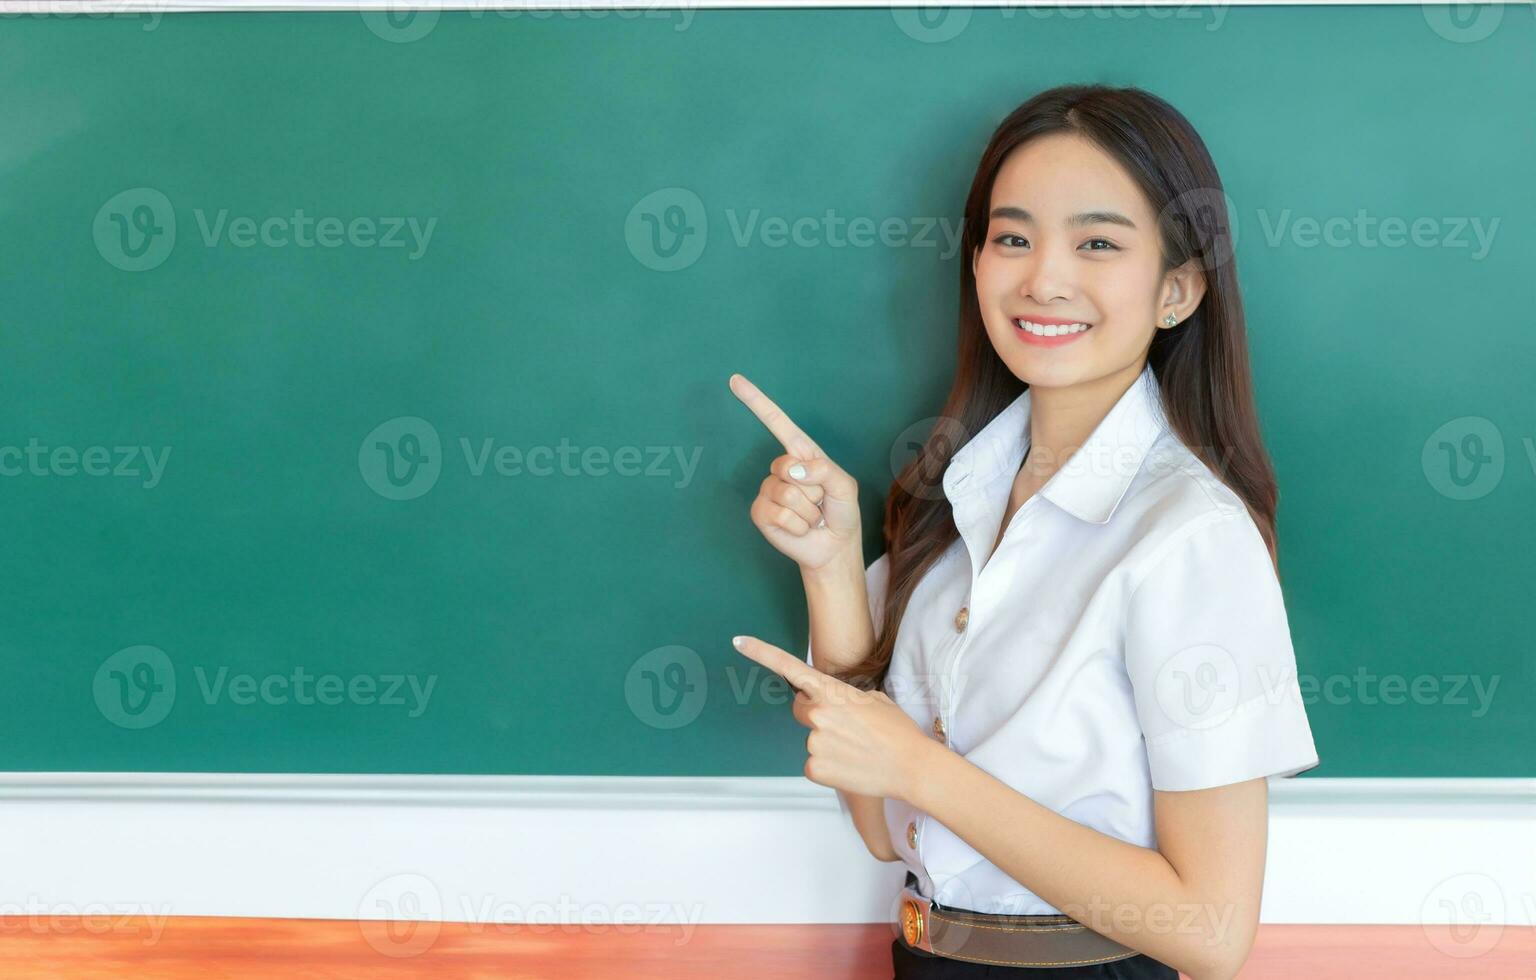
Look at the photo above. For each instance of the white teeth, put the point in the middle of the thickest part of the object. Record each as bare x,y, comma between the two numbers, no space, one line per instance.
1051,330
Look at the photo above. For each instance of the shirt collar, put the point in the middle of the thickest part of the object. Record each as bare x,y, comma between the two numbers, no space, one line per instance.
1094,479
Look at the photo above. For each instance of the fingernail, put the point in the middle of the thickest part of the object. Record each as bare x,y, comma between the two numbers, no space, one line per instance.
736,642
797,471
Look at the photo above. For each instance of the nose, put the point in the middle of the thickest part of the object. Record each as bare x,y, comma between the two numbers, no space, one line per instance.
1044,277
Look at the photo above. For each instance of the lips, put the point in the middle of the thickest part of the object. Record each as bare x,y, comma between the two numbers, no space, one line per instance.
1053,320
1051,327
1051,338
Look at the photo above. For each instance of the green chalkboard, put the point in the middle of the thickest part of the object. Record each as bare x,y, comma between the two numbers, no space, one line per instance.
365,404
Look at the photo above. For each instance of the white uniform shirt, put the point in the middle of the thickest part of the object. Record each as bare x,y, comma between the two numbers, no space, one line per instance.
1128,635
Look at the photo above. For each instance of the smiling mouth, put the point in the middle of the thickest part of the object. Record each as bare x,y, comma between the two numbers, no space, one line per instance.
1051,330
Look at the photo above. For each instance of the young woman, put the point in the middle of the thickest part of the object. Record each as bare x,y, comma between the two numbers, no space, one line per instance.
1057,695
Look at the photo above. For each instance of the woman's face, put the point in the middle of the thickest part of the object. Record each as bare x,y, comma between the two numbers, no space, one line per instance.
1070,237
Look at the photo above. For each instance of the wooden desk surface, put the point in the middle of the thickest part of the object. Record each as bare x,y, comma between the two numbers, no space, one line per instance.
183,948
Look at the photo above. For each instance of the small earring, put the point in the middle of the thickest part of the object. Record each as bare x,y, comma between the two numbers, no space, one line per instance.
1171,320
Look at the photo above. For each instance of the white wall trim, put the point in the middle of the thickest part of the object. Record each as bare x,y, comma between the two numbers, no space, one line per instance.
665,849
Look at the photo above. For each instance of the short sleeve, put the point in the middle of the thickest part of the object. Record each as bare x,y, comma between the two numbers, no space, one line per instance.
1209,655
875,579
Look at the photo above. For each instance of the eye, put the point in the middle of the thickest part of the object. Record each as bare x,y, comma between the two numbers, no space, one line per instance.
1109,246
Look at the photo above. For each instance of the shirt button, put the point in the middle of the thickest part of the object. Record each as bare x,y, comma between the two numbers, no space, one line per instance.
938,728
961,618
912,835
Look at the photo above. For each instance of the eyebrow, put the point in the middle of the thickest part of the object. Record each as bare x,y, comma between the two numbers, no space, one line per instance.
1075,221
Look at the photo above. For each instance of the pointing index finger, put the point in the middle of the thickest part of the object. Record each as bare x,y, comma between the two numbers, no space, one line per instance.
800,675
790,435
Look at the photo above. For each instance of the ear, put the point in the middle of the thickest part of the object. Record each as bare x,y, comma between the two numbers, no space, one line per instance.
1183,289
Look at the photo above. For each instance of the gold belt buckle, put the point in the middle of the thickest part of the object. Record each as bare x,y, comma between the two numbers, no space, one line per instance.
916,924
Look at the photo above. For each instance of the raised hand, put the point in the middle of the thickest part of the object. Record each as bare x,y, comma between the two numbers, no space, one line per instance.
807,506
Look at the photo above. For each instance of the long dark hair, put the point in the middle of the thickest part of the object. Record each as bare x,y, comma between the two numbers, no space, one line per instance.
1201,365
